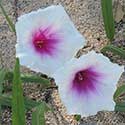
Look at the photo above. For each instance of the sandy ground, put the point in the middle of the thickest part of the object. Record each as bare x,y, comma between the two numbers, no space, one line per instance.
86,15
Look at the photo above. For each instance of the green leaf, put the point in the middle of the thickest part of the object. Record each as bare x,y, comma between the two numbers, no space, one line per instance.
35,79
29,104
11,25
18,108
77,117
38,117
115,50
107,12
29,79
120,90
2,76
120,106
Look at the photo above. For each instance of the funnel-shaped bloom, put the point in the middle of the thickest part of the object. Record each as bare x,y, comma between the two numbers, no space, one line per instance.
46,39
86,85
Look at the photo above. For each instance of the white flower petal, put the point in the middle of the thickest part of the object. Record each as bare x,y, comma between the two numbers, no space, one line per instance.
53,25
103,74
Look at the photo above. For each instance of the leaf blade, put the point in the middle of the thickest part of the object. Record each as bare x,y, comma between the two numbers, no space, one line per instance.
107,12
120,90
18,109
2,76
38,117
29,104
11,25
77,117
115,50
29,79
35,79
120,107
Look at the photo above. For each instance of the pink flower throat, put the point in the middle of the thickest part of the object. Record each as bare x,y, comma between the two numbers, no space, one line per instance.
44,42
85,81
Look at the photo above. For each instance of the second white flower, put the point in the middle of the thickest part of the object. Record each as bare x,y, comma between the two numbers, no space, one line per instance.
86,85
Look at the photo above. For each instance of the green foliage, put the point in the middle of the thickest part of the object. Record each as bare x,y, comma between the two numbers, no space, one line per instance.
18,108
77,117
120,90
26,78
35,79
11,25
20,103
29,104
120,106
2,75
38,117
107,12
114,50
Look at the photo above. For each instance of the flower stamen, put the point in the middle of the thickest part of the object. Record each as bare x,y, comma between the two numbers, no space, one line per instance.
86,80
39,44
80,76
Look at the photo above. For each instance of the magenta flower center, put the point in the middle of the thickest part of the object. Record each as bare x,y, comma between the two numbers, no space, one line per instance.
85,81
45,42
39,44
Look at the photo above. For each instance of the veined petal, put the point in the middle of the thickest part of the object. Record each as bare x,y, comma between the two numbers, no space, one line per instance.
47,39
86,85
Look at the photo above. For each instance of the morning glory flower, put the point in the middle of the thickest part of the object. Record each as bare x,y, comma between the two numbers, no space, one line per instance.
86,85
46,39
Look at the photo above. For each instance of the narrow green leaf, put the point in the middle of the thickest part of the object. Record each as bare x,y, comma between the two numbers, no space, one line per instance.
9,76
29,79
29,104
18,108
120,106
35,79
11,25
38,117
2,75
120,90
107,12
115,50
